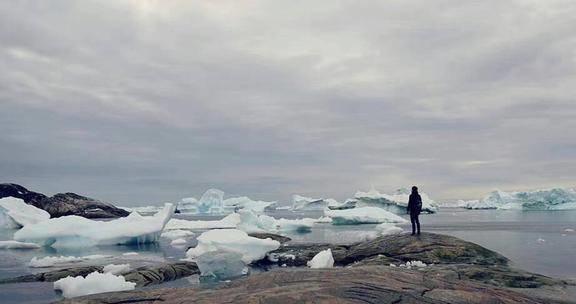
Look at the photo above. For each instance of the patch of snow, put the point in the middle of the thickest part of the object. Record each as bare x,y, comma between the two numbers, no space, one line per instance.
20,214
363,215
17,245
410,264
232,240
51,261
395,203
323,259
116,269
230,221
76,231
93,283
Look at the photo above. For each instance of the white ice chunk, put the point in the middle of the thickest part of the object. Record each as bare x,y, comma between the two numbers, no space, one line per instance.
143,209
230,221
323,259
20,214
245,203
251,222
395,203
51,261
388,229
547,199
76,231
130,253
178,242
232,240
363,215
221,265
176,234
93,283
306,203
410,264
324,219
116,269
17,245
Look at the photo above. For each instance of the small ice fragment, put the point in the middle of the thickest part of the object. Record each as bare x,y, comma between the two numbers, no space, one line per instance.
323,259
116,269
178,242
93,283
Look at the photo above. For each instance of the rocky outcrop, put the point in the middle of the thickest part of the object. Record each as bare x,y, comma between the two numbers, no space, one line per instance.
63,204
263,235
374,284
55,275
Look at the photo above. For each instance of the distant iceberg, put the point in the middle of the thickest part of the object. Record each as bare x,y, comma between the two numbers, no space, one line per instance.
251,222
75,231
245,203
547,199
16,213
395,203
230,221
213,202
363,215
307,203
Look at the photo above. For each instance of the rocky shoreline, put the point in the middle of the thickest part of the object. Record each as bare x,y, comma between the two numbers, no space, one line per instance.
366,272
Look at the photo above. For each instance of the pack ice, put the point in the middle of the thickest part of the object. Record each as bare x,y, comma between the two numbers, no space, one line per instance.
16,213
395,203
75,231
363,215
235,241
547,199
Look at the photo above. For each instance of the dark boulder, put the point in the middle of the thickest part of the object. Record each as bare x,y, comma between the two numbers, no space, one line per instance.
63,204
262,235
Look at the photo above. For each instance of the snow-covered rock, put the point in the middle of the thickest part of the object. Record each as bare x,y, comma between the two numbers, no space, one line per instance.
93,283
547,199
75,231
230,221
51,261
221,265
323,259
17,245
395,203
245,203
176,234
18,214
232,240
306,203
116,269
387,229
363,215
251,222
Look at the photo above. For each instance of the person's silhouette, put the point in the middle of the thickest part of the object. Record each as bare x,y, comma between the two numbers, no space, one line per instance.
414,209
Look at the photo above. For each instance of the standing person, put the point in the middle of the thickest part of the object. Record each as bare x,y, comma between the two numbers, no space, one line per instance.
414,209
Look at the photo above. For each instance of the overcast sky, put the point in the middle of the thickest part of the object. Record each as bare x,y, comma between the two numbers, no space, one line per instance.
148,101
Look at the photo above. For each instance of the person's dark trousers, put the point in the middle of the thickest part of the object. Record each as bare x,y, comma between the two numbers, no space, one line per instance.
415,222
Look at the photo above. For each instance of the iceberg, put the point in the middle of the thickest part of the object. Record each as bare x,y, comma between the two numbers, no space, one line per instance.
347,204
211,202
18,214
245,203
51,261
221,265
363,215
17,245
75,231
395,203
252,223
143,209
546,199
93,283
235,241
306,203
176,234
323,259
230,221
116,269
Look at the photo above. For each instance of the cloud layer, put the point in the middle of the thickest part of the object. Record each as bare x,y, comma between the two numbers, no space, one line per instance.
144,101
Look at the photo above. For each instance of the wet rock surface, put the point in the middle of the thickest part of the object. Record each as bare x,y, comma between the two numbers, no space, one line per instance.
458,272
63,204
280,238
55,275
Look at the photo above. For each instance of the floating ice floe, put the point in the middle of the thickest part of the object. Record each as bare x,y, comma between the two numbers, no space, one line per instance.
230,221
176,234
116,269
347,204
395,203
17,245
51,261
75,231
547,199
232,240
251,222
323,220
93,283
363,215
388,229
221,265
245,203
143,209
323,259
306,203
17,213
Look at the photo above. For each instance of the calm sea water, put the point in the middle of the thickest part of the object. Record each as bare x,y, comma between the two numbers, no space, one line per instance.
536,241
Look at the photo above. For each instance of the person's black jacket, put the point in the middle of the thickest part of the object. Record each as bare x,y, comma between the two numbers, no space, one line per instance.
415,204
